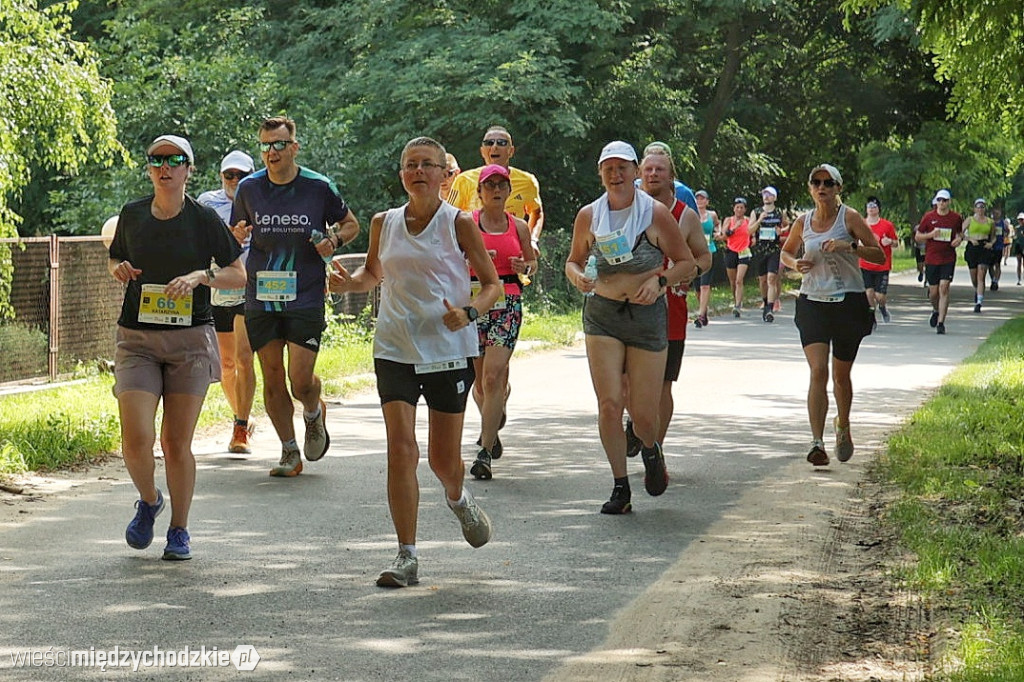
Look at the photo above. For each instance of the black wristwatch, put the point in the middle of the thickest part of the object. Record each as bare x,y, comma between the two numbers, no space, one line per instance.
662,281
471,313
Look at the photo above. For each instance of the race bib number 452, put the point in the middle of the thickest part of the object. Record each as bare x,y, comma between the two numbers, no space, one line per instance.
276,285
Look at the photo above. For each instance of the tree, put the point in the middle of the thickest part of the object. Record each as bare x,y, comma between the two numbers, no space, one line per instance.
55,110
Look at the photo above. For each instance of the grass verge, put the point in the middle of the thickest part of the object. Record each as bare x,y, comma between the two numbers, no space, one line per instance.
958,466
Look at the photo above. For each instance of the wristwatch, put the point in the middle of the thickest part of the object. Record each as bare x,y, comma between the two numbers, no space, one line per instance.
210,275
662,281
471,313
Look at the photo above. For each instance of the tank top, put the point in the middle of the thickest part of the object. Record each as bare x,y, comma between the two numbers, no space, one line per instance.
506,245
646,256
739,240
419,272
708,225
977,230
676,295
833,274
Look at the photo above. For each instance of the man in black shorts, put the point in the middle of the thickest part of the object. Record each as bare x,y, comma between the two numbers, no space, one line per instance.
766,230
282,205
941,231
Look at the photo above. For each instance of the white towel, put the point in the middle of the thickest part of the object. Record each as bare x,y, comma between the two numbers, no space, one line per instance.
638,220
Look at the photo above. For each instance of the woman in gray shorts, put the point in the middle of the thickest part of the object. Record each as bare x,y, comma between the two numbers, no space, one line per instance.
166,349
625,320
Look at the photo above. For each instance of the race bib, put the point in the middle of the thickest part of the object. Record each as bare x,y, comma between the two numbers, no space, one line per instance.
446,366
943,234
826,299
227,297
767,234
474,288
615,248
276,285
156,307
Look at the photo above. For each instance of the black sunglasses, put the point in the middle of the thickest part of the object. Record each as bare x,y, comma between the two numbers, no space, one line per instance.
828,182
278,145
491,143
235,175
173,160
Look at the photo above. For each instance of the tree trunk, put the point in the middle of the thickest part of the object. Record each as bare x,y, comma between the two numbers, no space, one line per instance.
723,90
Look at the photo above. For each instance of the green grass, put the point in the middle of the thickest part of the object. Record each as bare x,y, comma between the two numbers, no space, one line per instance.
958,465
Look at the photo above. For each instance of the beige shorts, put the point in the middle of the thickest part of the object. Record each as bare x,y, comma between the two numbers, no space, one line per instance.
166,361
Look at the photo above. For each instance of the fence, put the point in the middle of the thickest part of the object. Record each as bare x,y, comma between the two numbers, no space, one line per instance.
66,306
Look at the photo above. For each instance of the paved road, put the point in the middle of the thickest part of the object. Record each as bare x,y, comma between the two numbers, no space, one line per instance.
288,566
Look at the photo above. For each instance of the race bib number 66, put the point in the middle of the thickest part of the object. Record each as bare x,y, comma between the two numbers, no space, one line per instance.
156,307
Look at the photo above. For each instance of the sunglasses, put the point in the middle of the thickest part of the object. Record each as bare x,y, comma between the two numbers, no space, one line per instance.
235,175
827,182
491,143
495,185
278,145
942,199
173,160
451,173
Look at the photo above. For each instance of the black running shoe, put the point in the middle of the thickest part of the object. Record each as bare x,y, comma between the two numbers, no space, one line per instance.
934,319
481,469
994,286
940,328
769,317
977,307
697,323
619,502
655,473
497,450
633,444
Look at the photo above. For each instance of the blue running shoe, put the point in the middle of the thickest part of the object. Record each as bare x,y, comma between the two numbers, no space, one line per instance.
139,533
177,548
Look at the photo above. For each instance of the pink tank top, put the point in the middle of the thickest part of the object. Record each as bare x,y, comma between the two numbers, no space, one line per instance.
506,245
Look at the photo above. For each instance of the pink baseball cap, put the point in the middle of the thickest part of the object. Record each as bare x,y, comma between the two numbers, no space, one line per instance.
492,170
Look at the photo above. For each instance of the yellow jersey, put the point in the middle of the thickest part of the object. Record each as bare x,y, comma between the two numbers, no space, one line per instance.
524,199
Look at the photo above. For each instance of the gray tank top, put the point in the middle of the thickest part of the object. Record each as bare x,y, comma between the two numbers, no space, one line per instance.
833,274
646,256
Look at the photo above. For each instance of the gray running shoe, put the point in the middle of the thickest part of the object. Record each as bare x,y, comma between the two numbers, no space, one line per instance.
317,441
886,317
844,442
476,525
404,571
290,464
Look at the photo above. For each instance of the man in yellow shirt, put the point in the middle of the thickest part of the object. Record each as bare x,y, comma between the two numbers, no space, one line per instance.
524,201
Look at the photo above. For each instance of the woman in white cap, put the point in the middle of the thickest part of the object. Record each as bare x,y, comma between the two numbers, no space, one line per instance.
832,311
980,233
237,372
625,321
166,350
711,225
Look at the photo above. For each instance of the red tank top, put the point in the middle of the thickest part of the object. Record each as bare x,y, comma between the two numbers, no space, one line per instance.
677,309
505,245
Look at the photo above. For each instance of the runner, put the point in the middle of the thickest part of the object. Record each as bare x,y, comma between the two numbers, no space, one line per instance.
625,321
832,309
980,235
237,372
1001,246
280,206
737,250
940,231
450,172
766,230
876,275
507,240
682,191
1017,247
711,225
422,342
166,349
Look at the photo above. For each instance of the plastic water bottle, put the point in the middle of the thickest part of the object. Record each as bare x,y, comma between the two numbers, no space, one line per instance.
590,272
316,236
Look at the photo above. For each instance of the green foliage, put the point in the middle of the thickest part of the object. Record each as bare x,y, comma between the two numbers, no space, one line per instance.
26,351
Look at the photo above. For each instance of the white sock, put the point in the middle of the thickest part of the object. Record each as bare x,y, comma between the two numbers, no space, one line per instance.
461,502
411,549
310,416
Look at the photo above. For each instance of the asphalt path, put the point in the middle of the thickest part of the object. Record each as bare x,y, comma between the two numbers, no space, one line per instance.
288,565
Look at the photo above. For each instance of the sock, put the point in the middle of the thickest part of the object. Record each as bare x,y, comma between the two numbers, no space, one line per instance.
649,450
461,502
411,549
241,422
290,444
310,416
979,298
765,302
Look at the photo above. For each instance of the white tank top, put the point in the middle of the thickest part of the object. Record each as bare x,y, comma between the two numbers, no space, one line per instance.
833,274
420,272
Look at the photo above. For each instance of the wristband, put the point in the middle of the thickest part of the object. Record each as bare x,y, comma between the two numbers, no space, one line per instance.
662,281
210,275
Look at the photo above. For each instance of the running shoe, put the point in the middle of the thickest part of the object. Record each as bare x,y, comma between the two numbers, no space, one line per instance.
655,473
736,311
240,440
404,571
633,444
764,314
497,450
934,319
177,548
886,317
817,456
317,440
619,502
476,525
139,533
704,319
994,286
769,317
940,328
977,307
844,442
481,469
920,277
697,323
290,464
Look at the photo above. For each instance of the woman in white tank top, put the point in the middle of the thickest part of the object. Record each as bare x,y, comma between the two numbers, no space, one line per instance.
832,312
424,342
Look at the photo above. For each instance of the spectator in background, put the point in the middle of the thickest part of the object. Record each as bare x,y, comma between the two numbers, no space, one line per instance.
237,372
876,275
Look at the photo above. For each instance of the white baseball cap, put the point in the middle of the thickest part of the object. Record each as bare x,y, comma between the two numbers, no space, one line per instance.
237,160
941,194
617,150
981,201
175,141
771,190
1020,216
828,168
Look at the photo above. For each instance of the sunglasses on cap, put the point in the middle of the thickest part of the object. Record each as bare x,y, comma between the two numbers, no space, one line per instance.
235,175
173,160
500,142
278,145
827,182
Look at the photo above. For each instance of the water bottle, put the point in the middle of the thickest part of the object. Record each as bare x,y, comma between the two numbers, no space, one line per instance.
590,272
316,236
